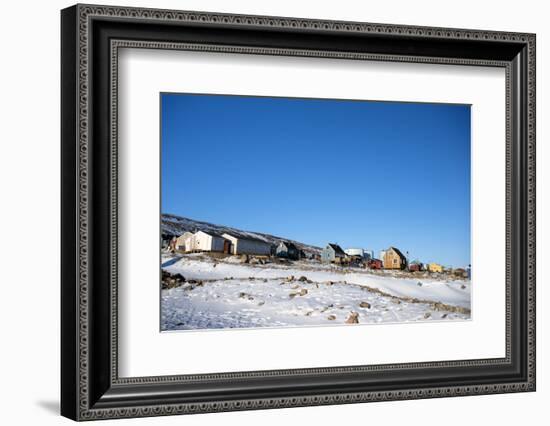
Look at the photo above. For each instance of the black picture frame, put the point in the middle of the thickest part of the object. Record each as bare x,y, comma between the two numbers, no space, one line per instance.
90,386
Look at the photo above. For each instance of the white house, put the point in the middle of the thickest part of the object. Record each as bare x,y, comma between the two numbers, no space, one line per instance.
364,253
244,244
209,241
355,252
185,242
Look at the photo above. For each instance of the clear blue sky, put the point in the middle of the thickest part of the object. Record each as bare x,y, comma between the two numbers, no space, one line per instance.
362,174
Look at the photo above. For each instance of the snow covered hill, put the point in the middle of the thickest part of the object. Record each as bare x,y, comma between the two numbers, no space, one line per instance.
223,293
173,225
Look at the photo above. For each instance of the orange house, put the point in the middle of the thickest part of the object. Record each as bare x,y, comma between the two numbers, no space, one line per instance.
394,259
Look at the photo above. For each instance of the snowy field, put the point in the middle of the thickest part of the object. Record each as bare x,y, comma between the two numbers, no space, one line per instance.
224,293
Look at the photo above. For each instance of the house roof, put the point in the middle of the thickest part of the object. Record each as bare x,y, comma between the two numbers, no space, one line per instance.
211,233
289,245
337,249
185,234
243,236
401,255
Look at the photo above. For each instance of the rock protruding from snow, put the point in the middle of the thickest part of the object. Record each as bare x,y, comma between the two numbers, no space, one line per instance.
353,318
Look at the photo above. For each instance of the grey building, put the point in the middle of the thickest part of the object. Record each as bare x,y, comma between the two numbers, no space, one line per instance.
287,250
332,253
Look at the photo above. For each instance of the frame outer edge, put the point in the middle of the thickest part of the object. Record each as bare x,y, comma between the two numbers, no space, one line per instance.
69,221
83,13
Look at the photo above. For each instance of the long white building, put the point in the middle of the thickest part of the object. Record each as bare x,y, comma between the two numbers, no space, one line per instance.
241,244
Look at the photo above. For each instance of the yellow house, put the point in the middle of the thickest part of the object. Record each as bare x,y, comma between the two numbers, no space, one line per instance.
435,267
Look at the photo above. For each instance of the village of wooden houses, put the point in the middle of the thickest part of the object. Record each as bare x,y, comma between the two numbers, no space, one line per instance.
216,277
249,246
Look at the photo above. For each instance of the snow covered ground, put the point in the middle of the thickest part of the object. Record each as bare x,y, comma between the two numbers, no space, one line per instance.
222,293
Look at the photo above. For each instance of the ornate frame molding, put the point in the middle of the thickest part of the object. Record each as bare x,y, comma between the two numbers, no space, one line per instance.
82,16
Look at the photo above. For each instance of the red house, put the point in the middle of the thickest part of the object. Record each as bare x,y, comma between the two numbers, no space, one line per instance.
415,266
375,264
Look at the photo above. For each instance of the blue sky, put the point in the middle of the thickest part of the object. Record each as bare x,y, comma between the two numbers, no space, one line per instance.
358,173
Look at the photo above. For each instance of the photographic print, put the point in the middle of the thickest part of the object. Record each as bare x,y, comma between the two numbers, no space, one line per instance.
291,212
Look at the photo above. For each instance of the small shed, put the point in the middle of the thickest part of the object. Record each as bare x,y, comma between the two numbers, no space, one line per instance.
394,259
375,264
333,253
460,272
247,244
287,250
185,242
415,266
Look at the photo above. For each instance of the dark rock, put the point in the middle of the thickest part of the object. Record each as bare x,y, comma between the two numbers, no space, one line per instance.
179,277
244,295
364,305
